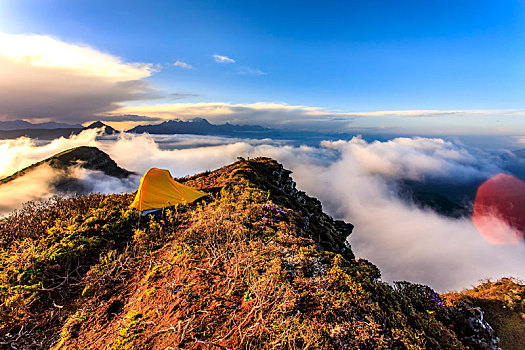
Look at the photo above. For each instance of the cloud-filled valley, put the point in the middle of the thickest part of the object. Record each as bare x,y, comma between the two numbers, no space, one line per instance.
356,180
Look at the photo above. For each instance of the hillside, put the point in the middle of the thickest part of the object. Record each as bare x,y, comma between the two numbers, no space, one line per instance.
84,156
255,265
74,171
503,304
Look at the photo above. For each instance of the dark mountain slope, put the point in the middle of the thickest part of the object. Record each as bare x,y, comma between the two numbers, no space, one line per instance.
449,199
84,156
59,171
255,265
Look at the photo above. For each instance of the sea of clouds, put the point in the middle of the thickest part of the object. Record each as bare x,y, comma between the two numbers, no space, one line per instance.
355,180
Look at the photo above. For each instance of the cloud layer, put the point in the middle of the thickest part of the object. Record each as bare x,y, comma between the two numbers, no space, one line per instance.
22,152
35,186
407,242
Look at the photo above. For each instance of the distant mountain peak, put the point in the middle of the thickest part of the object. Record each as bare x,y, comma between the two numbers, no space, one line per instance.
97,124
199,120
108,130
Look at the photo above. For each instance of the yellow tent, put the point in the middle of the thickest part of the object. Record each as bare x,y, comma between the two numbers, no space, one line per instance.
158,190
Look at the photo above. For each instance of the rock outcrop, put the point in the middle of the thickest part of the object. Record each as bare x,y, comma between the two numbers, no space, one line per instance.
493,309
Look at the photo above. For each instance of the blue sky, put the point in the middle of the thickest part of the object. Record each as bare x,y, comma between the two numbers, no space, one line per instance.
342,56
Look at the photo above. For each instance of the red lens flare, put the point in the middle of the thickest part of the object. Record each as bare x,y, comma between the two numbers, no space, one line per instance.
499,209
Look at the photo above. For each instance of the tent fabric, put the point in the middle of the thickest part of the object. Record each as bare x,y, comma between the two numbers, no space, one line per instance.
158,190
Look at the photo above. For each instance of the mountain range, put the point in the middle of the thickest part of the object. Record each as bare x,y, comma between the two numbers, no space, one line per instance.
199,126
22,124
36,131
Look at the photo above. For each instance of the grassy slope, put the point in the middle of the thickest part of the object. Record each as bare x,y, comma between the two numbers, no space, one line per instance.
503,303
255,265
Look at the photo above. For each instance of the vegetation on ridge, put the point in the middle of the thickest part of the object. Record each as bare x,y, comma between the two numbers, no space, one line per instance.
503,304
256,265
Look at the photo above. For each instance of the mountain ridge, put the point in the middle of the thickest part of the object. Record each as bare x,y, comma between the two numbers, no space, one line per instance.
257,264
87,157
22,124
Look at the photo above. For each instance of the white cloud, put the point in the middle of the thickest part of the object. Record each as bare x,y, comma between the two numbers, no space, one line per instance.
46,78
250,71
38,184
183,65
413,158
98,182
48,52
223,59
35,185
407,243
